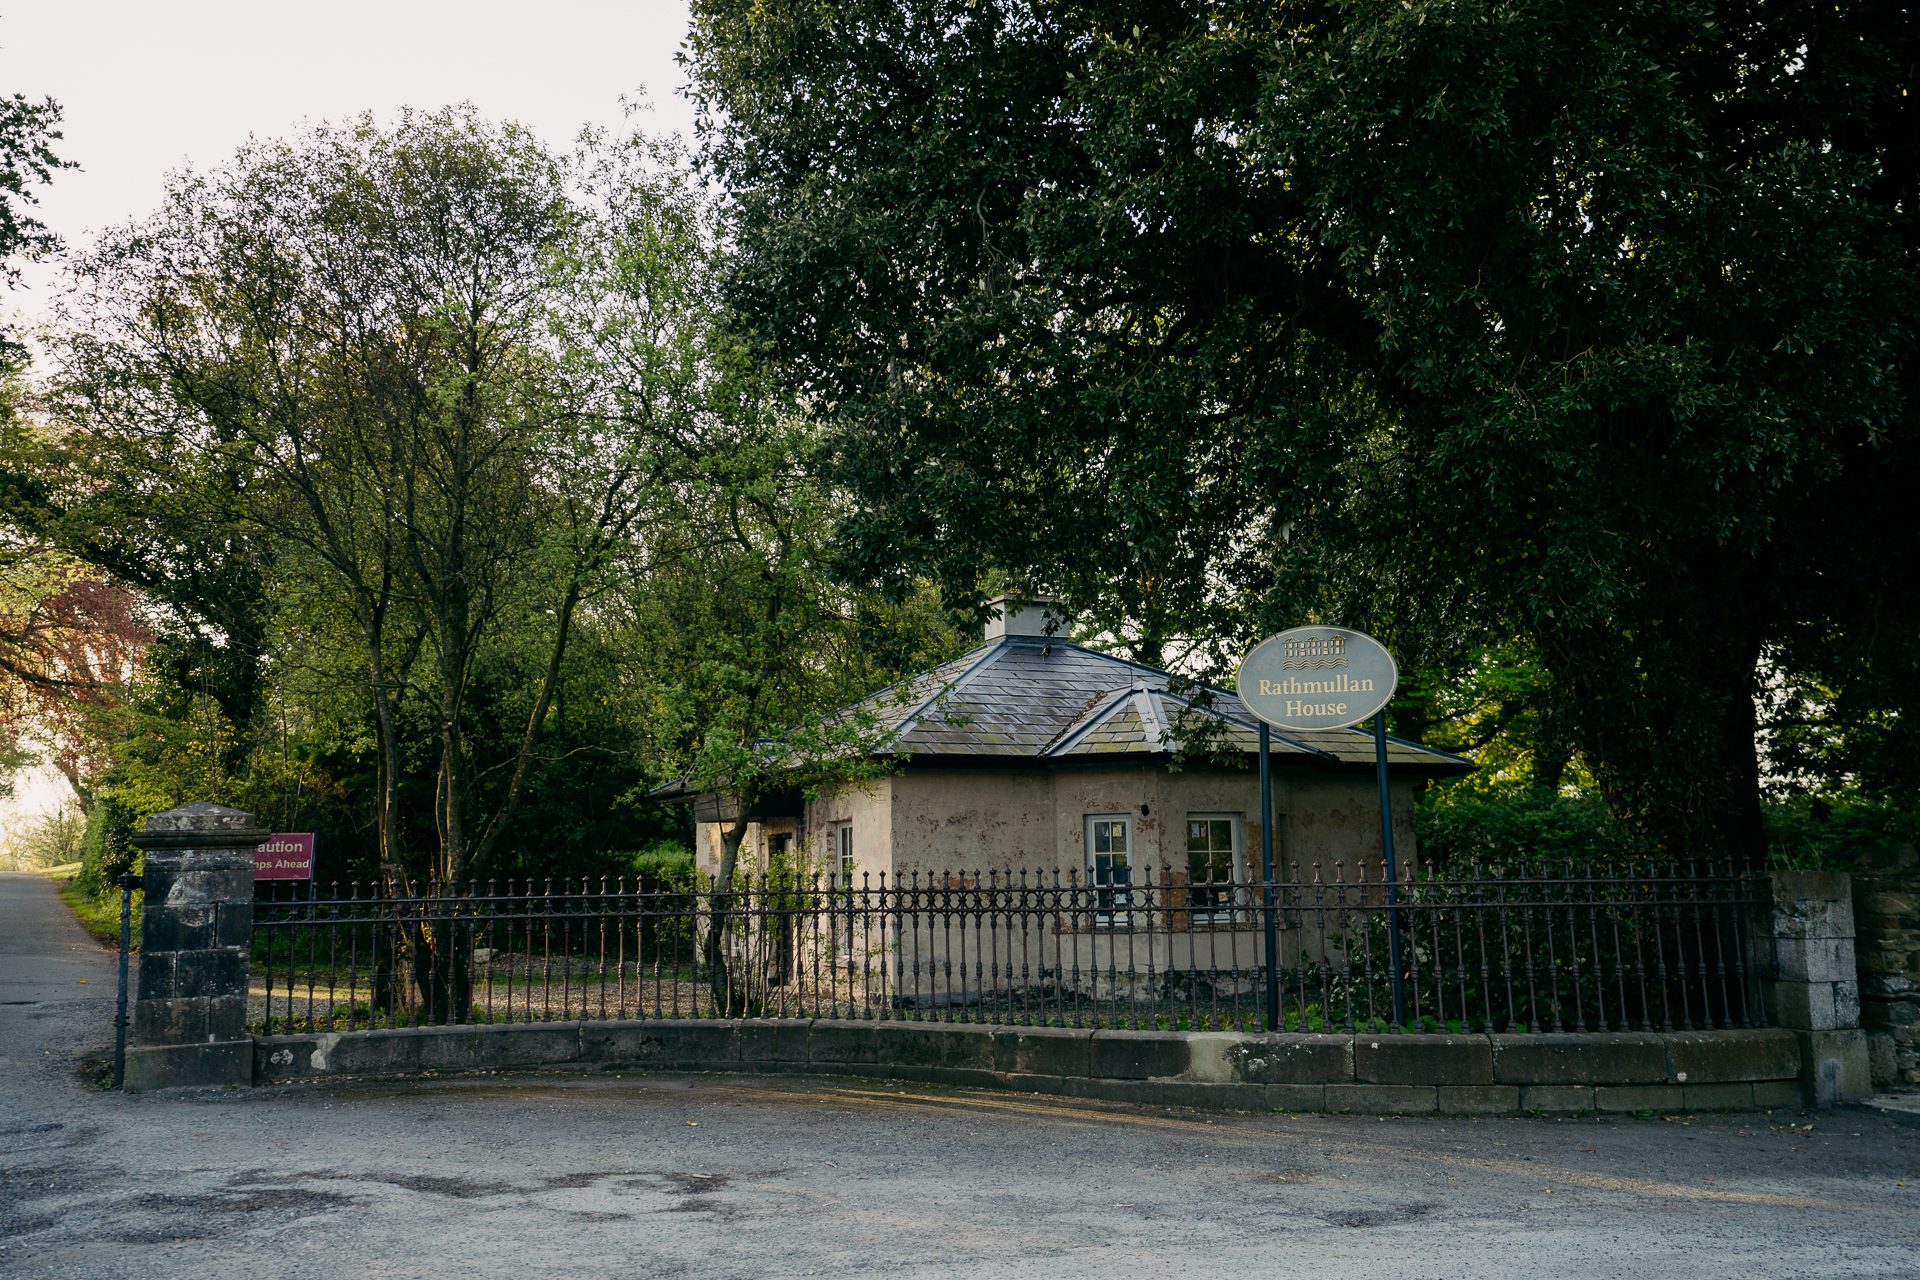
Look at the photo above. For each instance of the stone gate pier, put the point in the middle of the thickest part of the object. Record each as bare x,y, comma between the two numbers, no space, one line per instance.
1816,990
196,930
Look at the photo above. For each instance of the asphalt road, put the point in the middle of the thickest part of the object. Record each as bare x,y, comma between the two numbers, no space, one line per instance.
772,1176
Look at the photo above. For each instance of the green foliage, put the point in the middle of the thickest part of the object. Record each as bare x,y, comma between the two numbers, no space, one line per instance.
27,135
105,854
454,587
99,913
1577,329
663,864
388,448
1499,707
1457,827
1828,833
1458,823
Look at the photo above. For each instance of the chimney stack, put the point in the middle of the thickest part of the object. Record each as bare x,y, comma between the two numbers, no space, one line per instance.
1042,617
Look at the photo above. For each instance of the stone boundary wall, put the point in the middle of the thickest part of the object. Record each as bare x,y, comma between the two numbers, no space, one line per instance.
1367,1074
1886,912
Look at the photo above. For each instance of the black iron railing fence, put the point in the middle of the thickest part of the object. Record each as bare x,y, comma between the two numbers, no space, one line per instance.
1530,947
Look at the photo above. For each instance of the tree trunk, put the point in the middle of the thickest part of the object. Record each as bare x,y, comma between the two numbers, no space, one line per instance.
387,974
1552,748
1661,707
496,829
442,968
729,1000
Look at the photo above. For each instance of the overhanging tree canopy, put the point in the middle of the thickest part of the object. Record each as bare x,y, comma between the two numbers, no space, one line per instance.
1582,322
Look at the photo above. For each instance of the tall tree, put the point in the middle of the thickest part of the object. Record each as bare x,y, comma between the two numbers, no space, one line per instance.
747,647
362,327
27,135
733,632
1453,320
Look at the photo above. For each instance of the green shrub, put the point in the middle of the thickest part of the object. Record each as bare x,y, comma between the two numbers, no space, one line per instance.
1497,830
99,914
1811,833
1803,832
105,852
663,864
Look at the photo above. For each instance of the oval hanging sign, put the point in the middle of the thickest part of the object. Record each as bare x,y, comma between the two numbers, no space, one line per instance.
1317,678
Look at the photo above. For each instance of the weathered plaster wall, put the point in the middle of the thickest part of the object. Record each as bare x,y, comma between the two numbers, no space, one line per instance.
755,847
869,806
967,820
938,821
1335,818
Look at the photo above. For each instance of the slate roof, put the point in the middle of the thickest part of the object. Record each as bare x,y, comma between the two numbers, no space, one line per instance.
1027,700
1034,699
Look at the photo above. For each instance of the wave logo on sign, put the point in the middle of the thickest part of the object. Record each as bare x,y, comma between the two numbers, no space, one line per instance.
1313,653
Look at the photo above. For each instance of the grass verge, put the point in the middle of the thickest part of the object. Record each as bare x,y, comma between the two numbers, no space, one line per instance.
101,916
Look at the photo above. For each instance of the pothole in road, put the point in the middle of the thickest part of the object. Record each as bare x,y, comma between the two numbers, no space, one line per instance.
1378,1217
1290,1177
699,1205
695,1184
193,1217
685,1184
454,1188
574,1181
270,1199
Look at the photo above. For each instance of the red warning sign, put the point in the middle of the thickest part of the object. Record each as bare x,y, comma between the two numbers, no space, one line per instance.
285,856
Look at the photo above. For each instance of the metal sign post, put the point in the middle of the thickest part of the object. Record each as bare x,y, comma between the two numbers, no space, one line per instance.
1393,878
1274,1020
1323,678
128,883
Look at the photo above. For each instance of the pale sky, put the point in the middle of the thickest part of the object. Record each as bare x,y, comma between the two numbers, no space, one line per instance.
149,87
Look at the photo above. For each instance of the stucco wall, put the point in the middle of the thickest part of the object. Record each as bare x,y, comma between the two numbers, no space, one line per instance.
1336,818
869,806
754,846
967,820
936,821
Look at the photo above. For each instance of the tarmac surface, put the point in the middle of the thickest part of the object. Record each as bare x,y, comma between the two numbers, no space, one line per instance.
723,1176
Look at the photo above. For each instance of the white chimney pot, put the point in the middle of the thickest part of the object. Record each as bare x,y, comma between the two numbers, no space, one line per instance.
1022,616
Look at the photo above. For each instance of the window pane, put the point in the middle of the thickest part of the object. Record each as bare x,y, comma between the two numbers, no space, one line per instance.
1210,866
1108,872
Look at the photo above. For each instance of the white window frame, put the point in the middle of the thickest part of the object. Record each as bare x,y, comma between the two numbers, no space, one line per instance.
844,897
1111,906
843,851
1236,863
